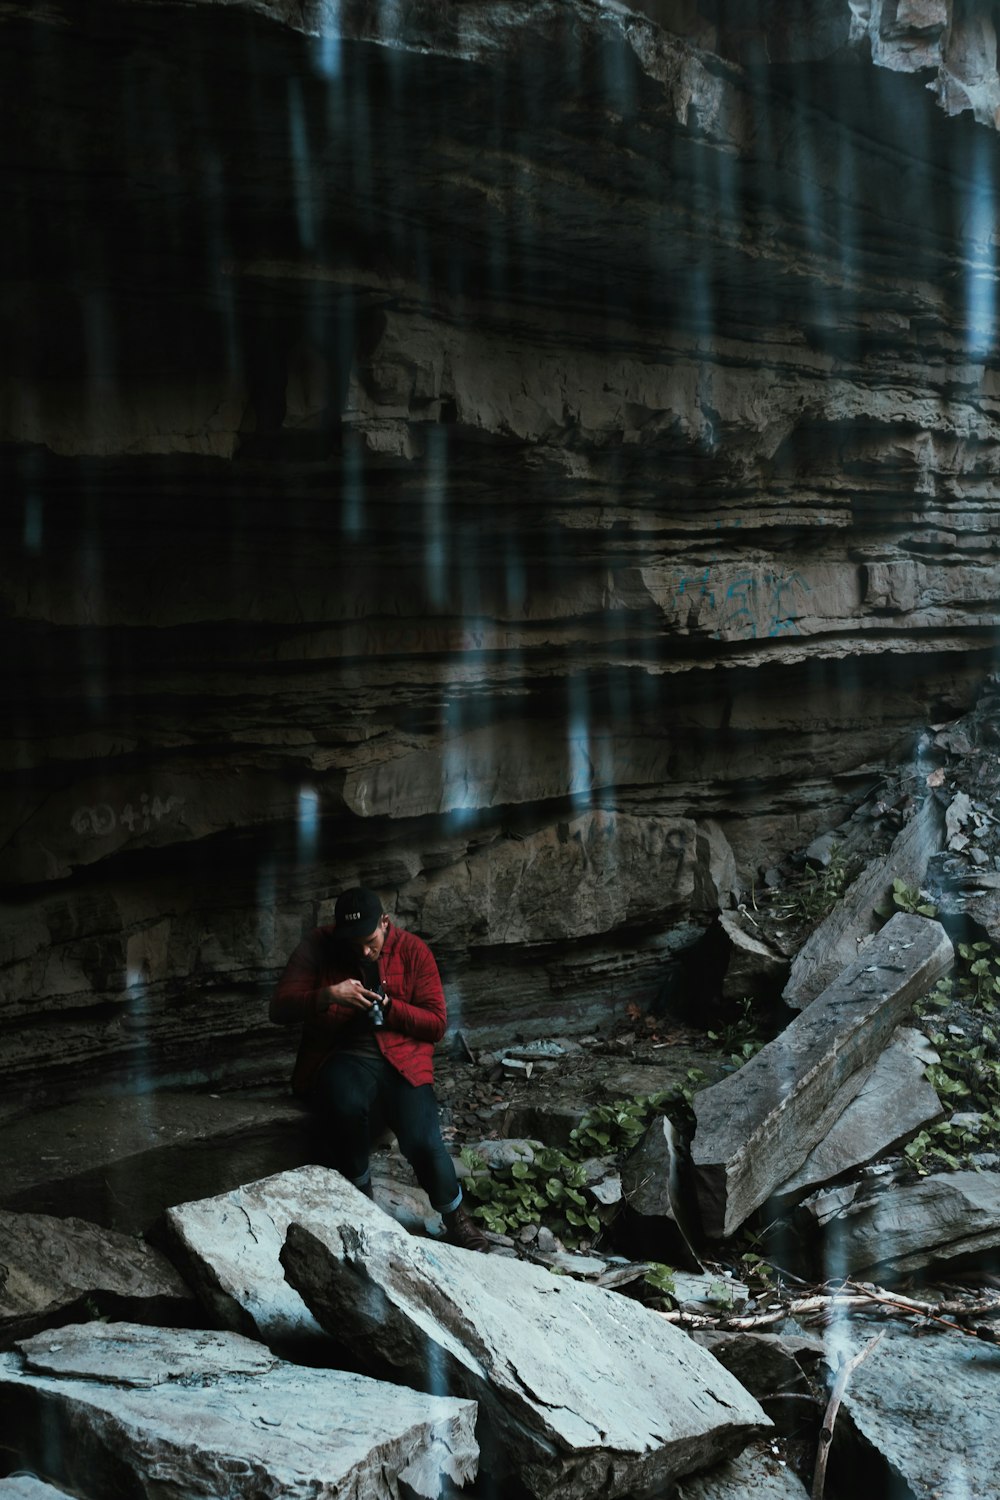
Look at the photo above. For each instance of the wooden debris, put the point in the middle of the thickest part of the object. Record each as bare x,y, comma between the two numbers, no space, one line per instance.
836,1397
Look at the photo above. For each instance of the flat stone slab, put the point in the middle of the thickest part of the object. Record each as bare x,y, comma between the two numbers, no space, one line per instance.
582,1391
756,1127
168,1414
893,1103
931,1406
894,1228
63,1270
229,1246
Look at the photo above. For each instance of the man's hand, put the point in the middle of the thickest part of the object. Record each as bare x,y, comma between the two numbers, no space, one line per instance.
350,992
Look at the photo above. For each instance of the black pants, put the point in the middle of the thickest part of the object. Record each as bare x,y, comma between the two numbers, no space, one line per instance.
358,1096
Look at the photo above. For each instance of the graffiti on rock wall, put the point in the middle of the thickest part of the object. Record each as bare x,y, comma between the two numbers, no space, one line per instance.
754,605
102,819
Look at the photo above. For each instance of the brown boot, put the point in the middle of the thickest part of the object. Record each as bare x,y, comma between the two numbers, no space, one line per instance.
460,1230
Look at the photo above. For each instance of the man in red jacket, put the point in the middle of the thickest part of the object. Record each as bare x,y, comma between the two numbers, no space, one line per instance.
369,999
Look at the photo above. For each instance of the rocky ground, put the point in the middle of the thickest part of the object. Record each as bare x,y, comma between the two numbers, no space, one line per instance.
841,1243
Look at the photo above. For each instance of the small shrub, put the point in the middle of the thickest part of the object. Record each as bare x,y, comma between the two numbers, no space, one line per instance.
549,1189
816,893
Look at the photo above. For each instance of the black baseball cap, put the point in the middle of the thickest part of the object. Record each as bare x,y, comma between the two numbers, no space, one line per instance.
357,912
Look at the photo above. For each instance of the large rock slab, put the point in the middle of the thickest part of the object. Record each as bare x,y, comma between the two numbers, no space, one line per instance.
230,1247
893,1103
64,1270
123,1159
931,1407
835,942
116,1408
582,1392
755,1128
889,1229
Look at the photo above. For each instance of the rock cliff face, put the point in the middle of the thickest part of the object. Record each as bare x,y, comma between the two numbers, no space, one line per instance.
539,460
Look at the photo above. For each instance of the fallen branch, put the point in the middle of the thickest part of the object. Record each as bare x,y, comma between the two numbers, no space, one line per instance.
825,1303
844,1374
932,1312
829,1303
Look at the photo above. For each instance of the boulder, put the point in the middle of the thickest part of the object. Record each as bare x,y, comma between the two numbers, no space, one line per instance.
753,967
755,1474
764,1362
755,1128
930,1406
717,881
116,1408
891,1106
230,1246
888,1229
582,1392
65,1270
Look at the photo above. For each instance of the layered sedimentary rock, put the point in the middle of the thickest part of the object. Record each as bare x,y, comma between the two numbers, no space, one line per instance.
529,458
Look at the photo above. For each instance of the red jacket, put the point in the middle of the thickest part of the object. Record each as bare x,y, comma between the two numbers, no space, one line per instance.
414,1021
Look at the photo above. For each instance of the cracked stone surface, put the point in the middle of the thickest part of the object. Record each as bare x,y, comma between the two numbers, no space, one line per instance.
582,1391
536,459
172,1412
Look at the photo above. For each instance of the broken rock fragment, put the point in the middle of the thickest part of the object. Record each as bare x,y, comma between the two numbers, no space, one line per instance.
660,1217
753,967
764,1362
835,943
889,1229
891,1106
930,1406
115,1408
755,1128
230,1247
582,1392
28,1487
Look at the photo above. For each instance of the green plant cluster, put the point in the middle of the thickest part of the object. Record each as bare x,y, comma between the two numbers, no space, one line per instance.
816,893
967,1078
974,981
907,898
550,1188
740,1037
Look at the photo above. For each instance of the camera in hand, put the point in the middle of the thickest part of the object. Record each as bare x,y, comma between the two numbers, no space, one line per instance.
373,982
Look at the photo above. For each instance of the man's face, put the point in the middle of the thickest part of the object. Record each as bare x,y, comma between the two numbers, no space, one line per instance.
371,946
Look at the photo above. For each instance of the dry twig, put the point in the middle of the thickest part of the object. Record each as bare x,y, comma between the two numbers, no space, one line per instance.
892,1304
836,1396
